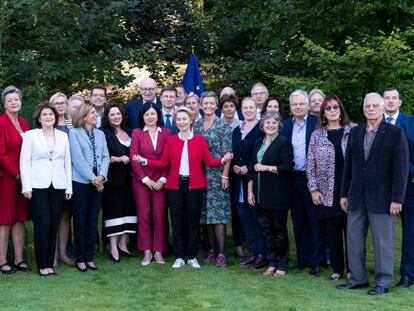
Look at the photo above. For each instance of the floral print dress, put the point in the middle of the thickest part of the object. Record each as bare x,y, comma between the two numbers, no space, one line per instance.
216,206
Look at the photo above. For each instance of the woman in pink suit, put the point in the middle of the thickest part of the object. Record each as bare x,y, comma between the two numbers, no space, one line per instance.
13,207
148,184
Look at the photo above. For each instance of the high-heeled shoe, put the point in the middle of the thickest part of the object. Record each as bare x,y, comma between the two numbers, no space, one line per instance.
113,258
146,262
79,268
42,274
124,253
90,267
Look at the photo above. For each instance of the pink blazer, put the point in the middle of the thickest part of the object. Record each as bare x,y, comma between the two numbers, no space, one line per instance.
141,144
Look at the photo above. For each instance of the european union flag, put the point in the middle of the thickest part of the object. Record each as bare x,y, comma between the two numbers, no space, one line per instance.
192,78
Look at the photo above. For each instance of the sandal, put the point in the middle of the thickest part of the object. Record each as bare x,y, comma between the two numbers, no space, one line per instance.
279,273
9,271
19,266
269,271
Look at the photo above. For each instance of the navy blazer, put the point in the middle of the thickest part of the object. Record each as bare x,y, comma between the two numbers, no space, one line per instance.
242,155
310,126
132,110
382,178
407,124
275,189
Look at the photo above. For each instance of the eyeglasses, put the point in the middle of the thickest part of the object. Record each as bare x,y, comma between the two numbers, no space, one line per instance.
147,89
59,103
332,108
259,94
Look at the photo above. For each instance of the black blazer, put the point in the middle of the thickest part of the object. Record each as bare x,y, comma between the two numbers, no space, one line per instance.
310,126
275,189
118,174
242,155
381,179
133,108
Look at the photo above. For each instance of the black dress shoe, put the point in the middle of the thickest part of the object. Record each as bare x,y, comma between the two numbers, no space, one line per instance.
378,290
352,286
315,271
79,268
248,261
259,263
404,282
124,253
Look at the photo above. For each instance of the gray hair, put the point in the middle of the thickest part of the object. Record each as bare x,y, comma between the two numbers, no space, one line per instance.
192,94
298,93
259,84
75,97
8,90
209,94
374,94
271,115
316,91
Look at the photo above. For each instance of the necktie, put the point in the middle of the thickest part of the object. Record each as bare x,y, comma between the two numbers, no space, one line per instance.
168,122
388,119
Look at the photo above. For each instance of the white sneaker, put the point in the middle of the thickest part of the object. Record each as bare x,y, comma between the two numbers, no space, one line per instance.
194,263
178,263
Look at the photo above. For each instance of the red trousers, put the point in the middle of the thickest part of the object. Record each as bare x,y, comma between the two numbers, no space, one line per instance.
151,212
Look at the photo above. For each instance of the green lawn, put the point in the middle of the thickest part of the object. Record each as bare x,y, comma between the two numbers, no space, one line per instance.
129,286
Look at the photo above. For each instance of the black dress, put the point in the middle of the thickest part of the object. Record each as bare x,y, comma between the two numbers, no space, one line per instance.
118,211
335,137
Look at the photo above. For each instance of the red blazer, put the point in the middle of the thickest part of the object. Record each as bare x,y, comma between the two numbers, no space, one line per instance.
10,145
141,144
198,153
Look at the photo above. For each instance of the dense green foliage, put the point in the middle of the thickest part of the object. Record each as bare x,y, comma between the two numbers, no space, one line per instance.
347,47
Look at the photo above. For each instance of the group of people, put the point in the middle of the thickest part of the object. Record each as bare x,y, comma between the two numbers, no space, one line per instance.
210,162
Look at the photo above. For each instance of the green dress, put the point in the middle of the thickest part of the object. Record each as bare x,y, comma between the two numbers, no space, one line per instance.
216,206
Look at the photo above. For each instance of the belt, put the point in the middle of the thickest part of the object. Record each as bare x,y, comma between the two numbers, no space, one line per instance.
183,177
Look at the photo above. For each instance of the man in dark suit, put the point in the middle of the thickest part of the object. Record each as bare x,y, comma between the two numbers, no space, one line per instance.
373,190
168,99
393,115
305,220
148,89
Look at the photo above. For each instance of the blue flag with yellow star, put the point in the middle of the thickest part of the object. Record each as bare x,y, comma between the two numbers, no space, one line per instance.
192,78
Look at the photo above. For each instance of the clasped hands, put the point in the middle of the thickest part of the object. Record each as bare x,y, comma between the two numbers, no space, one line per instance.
98,183
226,158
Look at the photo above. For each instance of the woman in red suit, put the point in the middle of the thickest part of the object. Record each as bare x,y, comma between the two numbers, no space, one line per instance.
185,153
148,184
13,207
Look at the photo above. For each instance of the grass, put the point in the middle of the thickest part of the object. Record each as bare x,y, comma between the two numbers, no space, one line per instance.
130,286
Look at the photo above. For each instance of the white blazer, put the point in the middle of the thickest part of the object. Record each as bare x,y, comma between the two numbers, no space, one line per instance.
39,168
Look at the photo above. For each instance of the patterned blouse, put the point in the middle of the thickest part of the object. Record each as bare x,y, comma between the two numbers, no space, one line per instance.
320,166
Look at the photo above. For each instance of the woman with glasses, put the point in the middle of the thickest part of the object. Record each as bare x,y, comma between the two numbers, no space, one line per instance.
324,172
60,103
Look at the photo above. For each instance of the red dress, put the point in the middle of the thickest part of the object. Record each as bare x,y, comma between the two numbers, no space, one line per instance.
13,206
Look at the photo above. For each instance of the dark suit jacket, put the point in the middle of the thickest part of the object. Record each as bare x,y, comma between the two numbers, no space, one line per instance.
310,126
275,189
381,179
407,124
133,108
118,173
242,151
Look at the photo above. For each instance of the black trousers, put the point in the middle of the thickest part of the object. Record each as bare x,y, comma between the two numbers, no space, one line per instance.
185,211
46,206
335,232
274,228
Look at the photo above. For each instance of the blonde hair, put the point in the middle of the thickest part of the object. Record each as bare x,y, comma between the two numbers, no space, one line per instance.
57,95
187,111
83,110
